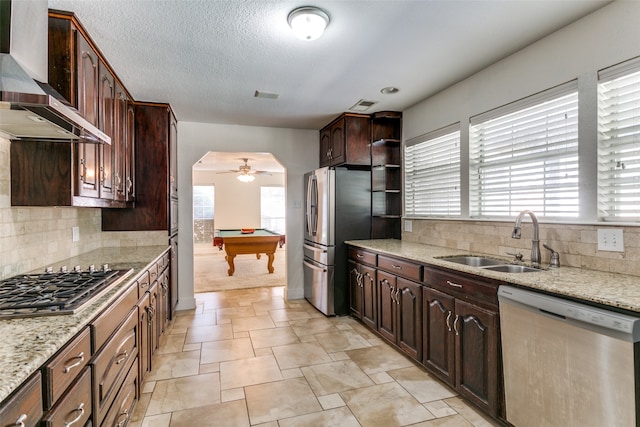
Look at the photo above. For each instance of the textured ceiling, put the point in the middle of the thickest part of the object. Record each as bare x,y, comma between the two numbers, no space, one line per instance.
207,58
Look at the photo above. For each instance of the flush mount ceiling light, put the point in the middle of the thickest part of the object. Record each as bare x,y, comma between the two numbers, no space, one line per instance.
308,23
389,90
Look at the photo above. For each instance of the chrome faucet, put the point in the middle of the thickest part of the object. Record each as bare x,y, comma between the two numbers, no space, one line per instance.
535,242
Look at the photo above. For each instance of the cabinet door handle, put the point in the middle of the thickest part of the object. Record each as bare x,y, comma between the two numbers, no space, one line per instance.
455,325
124,420
398,296
368,276
20,421
80,358
80,409
397,267
454,285
359,256
449,320
121,357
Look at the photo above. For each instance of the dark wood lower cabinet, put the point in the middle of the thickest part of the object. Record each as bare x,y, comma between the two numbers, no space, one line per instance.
386,305
438,340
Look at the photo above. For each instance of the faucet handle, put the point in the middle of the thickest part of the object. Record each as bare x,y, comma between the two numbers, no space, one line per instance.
554,261
519,257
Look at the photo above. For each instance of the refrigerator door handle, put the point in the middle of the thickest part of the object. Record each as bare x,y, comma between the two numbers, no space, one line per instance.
314,249
314,267
311,208
314,198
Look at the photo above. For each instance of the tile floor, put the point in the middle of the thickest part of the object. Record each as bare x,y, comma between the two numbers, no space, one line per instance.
251,358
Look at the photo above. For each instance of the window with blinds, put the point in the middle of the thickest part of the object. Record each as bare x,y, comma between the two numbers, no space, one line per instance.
525,156
432,174
619,142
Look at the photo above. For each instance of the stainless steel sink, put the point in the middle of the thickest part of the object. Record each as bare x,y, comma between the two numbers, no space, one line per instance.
473,260
512,268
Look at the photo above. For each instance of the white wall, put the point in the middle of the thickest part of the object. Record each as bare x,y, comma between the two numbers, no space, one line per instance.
296,150
236,204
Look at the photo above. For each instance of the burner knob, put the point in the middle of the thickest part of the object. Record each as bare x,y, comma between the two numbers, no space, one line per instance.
48,270
92,268
77,269
63,269
105,267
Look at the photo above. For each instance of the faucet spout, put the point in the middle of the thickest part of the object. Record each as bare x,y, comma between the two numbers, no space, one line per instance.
535,241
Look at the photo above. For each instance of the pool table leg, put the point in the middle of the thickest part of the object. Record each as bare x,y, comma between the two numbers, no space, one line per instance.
270,264
232,267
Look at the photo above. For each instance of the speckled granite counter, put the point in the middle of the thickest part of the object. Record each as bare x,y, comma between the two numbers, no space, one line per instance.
616,290
29,342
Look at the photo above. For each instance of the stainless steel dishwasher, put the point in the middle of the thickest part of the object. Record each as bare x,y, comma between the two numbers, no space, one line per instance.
567,364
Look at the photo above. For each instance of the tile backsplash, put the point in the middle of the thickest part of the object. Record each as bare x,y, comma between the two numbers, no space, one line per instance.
576,244
34,237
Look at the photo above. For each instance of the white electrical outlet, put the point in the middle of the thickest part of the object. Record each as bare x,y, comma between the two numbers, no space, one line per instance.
75,234
610,239
408,226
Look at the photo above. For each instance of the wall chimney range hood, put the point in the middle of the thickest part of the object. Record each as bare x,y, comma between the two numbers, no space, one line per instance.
29,109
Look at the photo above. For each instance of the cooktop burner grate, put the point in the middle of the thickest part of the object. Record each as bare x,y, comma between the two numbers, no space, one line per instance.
53,293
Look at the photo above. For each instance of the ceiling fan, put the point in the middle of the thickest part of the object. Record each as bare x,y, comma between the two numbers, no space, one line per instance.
245,172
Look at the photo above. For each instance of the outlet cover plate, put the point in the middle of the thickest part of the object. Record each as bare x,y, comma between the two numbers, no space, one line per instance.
75,234
610,239
408,225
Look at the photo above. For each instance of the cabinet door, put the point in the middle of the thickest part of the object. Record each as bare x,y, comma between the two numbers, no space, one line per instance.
87,158
369,297
325,147
120,149
438,343
173,156
338,142
106,110
130,156
409,300
355,289
476,331
144,356
173,285
154,301
387,306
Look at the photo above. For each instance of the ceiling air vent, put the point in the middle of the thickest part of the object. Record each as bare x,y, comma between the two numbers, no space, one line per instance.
266,95
363,105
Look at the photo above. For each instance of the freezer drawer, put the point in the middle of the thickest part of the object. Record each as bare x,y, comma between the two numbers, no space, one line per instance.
320,254
318,286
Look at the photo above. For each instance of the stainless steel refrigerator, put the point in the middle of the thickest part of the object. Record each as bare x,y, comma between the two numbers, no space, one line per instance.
337,208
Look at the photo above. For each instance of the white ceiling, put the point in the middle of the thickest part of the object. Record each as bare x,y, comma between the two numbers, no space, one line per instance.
208,57
225,161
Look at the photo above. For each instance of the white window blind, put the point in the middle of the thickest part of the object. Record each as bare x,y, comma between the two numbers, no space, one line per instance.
525,156
432,174
619,142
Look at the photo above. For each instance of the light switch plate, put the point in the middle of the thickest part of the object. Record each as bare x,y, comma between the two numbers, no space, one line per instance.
408,226
610,239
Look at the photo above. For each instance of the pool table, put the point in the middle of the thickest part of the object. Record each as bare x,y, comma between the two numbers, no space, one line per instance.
240,242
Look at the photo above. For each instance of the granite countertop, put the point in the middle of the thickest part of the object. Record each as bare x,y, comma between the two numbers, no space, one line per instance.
27,343
611,289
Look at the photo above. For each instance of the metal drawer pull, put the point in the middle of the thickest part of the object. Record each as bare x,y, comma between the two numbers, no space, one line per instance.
121,357
20,421
455,285
80,408
397,267
359,256
80,356
124,421
455,325
449,320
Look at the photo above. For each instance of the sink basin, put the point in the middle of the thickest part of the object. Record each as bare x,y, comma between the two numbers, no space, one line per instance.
473,261
510,268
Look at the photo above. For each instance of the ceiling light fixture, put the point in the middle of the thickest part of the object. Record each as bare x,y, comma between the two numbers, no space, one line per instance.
246,177
389,90
308,23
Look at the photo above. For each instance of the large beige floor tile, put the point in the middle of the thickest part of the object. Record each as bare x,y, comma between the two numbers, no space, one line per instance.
241,373
333,417
288,314
335,377
229,313
252,323
281,399
273,337
189,320
470,413
341,341
297,355
220,351
316,325
172,343
230,414
206,333
421,385
184,393
175,365
385,405
451,421
378,359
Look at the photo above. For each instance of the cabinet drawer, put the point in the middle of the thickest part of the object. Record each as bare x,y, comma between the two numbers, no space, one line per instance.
400,267
25,406
362,256
112,363
153,272
60,372
107,322
470,288
74,409
122,408
143,283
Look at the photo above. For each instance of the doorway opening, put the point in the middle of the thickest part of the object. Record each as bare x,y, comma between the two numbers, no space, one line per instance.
236,192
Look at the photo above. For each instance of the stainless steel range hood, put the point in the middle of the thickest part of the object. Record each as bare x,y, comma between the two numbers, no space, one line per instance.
29,109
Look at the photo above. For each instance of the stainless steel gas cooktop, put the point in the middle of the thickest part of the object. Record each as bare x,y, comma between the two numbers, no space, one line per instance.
53,293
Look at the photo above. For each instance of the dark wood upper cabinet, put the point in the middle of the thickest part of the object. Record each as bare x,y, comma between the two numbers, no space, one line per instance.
106,123
345,141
